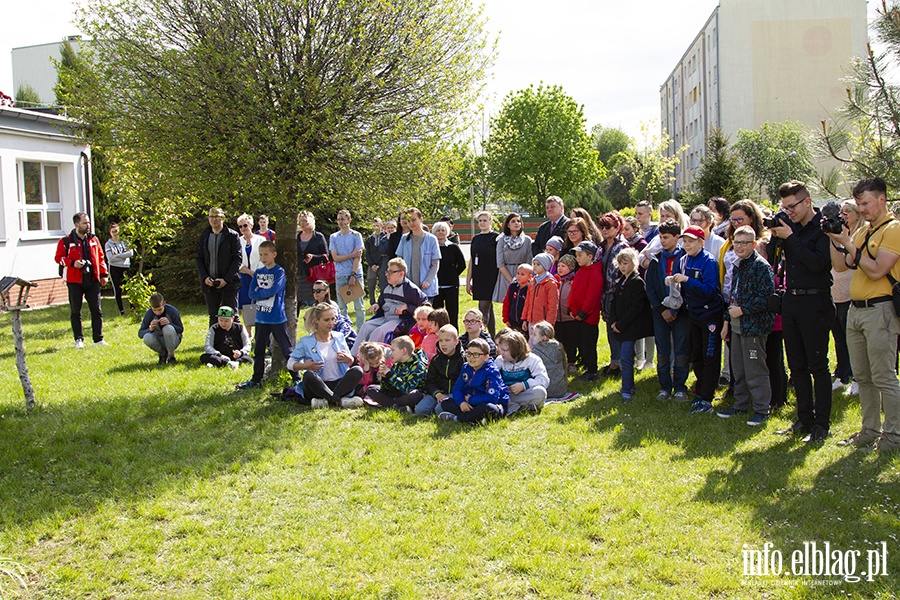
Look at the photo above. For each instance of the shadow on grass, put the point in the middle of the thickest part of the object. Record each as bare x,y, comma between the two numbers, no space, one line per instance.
73,457
854,484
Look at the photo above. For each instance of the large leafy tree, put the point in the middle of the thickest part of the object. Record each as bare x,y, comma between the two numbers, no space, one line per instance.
650,168
539,146
864,134
775,153
609,141
282,105
720,173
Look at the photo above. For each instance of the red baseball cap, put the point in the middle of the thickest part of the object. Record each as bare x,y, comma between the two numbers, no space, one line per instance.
694,232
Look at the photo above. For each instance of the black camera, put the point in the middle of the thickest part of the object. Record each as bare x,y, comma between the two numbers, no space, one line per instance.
832,220
86,267
779,218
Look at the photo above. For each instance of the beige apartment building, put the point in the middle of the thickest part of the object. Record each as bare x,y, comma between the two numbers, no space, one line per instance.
755,61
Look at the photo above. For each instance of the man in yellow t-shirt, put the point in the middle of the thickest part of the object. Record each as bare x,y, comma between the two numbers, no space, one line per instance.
872,324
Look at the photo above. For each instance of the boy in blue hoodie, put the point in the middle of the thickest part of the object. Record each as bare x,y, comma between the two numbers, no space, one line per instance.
267,289
699,279
479,392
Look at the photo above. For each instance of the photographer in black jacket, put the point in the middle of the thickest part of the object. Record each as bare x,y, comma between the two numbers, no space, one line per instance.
218,261
807,310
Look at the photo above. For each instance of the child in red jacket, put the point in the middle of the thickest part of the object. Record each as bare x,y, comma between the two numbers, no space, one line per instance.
584,306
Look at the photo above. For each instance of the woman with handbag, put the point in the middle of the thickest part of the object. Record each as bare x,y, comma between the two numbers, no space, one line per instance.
312,251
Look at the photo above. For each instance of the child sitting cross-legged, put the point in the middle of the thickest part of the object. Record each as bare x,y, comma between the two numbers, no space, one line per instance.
545,346
401,381
479,391
523,373
443,370
474,324
371,356
227,342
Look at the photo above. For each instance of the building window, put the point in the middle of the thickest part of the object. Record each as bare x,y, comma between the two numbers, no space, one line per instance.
40,206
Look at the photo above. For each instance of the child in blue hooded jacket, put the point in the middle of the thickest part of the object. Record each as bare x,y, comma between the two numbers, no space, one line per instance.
479,392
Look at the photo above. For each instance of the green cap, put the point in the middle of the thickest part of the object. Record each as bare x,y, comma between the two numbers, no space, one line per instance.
225,311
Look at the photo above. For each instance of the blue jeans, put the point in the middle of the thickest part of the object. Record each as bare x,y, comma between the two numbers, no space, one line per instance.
427,406
339,282
672,336
626,360
614,346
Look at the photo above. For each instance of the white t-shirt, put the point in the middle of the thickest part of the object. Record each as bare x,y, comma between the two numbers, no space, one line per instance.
330,371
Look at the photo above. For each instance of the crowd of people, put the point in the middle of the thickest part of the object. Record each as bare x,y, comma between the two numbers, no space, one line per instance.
766,288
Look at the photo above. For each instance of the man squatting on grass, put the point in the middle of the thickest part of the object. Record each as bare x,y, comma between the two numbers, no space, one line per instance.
161,329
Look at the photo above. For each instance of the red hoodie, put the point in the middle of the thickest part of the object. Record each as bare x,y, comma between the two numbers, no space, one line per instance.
587,290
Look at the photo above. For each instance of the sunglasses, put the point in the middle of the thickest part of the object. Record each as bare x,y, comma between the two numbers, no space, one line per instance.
319,290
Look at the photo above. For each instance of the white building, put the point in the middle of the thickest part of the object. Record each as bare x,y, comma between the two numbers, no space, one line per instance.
758,61
44,180
32,65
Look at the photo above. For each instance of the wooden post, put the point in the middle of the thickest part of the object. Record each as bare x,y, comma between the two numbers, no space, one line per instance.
15,311
20,358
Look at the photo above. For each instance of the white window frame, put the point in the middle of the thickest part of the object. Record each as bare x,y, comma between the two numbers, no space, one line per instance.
45,207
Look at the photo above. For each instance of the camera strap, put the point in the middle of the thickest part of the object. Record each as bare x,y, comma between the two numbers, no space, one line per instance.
871,233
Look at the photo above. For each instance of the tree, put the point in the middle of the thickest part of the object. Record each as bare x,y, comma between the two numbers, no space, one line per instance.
27,96
287,104
720,173
864,134
652,168
609,141
538,146
775,153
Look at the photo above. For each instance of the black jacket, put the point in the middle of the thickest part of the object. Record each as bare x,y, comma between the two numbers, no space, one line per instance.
443,371
807,259
319,250
631,309
453,263
229,258
544,234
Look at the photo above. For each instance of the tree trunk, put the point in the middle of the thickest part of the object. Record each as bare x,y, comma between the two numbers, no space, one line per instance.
286,246
19,341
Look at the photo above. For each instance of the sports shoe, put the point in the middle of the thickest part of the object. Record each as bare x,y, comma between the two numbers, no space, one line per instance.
724,381
702,407
172,360
101,343
626,397
400,408
588,377
162,359
696,401
730,412
816,436
210,366
79,344
757,419
858,440
837,385
662,395
639,365
233,364
573,368
447,416
853,390
248,385
680,397
351,402
318,403
796,428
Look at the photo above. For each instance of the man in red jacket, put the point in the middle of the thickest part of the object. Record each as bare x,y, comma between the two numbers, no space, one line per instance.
81,255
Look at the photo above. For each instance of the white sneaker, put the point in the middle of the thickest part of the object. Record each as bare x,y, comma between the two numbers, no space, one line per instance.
79,344
639,365
318,402
210,366
852,389
351,402
233,364
101,343
837,385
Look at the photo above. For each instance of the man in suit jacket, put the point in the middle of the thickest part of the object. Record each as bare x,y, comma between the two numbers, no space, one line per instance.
555,226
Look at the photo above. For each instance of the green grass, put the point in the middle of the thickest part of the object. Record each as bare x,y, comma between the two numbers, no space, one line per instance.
133,481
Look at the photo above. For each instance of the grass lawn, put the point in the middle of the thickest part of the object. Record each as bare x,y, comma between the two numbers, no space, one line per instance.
134,481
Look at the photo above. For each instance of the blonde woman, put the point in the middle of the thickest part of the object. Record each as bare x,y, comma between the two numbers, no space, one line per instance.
249,263
311,250
840,292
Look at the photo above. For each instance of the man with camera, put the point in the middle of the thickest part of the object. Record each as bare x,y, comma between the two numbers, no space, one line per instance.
807,310
872,324
80,254
218,262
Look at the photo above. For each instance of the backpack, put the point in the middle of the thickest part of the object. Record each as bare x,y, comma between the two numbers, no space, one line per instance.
67,240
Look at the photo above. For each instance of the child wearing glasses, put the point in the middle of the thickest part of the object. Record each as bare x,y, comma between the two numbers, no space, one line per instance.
400,298
523,373
479,392
474,323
